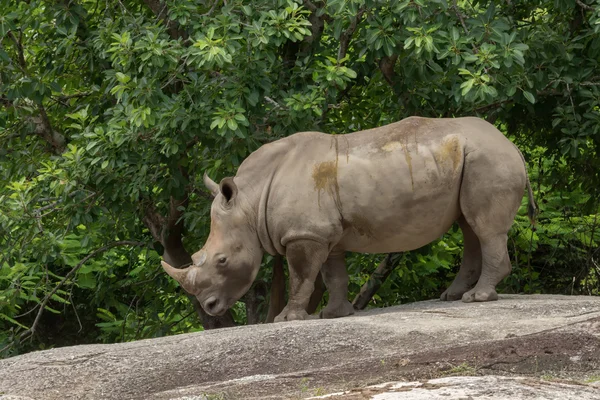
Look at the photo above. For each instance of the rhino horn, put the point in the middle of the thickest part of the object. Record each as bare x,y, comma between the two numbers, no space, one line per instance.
185,276
211,185
198,259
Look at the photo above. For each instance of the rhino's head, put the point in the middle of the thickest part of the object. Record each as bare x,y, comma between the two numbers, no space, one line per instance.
224,269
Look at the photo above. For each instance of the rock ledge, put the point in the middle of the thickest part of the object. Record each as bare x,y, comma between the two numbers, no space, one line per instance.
542,342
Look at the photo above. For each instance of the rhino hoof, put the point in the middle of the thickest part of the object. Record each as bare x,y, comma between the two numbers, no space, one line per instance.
475,294
452,295
338,311
291,315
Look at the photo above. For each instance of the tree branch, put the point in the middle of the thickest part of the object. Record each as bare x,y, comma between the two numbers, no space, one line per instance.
492,106
28,333
161,11
44,130
20,53
314,8
460,16
72,96
386,65
584,6
368,290
212,8
317,25
317,294
5,102
42,127
347,34
310,5
277,298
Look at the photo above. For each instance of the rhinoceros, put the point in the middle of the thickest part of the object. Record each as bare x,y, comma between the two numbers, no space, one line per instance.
313,196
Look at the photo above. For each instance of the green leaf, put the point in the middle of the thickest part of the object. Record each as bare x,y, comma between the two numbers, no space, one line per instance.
6,25
231,124
121,77
455,33
529,96
12,321
56,297
350,73
216,122
466,86
86,281
4,56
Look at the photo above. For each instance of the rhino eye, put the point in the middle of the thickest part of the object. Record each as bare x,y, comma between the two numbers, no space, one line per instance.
222,260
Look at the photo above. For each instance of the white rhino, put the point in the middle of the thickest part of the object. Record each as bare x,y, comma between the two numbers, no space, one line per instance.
312,197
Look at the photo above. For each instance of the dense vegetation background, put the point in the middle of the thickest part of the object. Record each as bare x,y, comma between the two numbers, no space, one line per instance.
110,111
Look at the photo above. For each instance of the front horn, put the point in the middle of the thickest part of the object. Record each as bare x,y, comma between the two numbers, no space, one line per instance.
186,276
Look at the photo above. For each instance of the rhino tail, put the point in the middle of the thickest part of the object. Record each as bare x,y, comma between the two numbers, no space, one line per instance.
532,207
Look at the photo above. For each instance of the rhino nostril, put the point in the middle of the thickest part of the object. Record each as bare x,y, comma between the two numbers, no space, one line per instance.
210,304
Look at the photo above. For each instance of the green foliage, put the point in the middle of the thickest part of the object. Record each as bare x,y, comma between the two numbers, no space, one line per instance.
559,256
111,112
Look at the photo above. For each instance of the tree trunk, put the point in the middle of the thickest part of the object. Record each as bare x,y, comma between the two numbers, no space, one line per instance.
317,295
253,299
277,300
375,281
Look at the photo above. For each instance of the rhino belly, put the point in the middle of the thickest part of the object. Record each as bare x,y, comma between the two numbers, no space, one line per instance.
402,231
393,240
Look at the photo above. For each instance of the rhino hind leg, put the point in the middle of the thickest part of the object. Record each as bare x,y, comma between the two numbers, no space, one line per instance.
470,268
305,258
489,200
336,281
496,266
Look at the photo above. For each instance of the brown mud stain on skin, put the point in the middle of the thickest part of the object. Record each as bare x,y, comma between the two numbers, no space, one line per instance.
347,149
361,225
325,176
335,143
408,158
449,150
416,143
391,146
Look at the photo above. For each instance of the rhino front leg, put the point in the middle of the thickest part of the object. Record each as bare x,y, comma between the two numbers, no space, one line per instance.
305,258
336,280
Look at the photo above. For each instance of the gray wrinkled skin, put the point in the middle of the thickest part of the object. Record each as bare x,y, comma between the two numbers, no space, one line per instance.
313,196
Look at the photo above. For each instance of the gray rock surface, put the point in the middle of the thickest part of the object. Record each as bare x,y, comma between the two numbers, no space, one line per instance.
470,387
548,339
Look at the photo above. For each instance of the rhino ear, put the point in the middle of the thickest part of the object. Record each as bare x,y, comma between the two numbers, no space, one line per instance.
211,185
228,189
